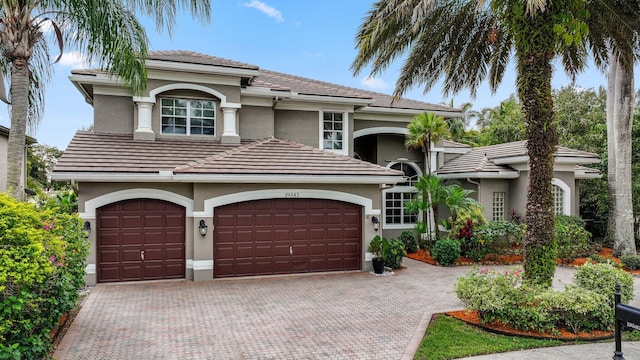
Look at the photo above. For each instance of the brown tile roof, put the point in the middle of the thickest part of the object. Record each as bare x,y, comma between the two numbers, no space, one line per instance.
91,152
483,159
281,157
192,57
276,81
454,144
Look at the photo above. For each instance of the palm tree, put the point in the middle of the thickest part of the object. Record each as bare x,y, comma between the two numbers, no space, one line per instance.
457,199
431,193
466,41
107,32
425,129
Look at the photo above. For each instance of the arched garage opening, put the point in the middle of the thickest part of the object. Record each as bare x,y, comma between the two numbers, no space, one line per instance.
286,235
140,239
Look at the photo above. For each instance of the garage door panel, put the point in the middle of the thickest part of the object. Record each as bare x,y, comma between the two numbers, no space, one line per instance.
313,228
126,228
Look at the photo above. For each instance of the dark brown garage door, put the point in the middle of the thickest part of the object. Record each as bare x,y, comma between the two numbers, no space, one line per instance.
141,239
282,236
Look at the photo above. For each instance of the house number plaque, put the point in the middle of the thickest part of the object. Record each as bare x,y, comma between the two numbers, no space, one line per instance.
291,195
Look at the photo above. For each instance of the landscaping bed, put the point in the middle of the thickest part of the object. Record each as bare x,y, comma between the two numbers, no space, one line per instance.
472,317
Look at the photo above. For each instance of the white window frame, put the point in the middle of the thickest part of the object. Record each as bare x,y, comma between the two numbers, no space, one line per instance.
404,189
498,208
188,117
345,131
566,203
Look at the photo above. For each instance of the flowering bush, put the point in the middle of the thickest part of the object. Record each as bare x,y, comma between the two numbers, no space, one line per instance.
42,255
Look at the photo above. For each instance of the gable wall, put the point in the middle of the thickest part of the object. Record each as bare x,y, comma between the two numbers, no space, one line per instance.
256,122
113,114
298,126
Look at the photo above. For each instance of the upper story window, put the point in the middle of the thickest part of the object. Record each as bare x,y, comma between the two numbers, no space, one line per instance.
333,125
188,117
395,212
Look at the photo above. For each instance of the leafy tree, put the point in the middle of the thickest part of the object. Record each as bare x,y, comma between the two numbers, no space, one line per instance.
107,32
466,41
40,162
503,124
425,129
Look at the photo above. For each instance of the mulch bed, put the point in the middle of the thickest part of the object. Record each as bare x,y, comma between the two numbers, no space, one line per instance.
472,317
493,259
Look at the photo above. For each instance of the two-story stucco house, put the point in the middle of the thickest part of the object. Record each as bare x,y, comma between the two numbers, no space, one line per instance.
225,169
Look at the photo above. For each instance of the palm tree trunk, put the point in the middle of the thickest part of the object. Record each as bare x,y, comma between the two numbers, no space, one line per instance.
611,153
622,212
534,51
17,134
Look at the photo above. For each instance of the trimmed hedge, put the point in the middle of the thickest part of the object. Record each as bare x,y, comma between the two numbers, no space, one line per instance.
42,260
446,252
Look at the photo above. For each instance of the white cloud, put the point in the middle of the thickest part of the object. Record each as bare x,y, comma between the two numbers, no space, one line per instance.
74,60
266,9
374,83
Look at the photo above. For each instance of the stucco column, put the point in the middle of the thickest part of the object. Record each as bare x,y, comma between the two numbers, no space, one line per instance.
202,249
144,131
229,134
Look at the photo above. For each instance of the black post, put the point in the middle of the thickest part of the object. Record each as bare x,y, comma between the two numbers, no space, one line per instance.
617,355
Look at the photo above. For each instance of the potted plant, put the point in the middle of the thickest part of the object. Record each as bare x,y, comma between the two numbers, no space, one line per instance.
376,247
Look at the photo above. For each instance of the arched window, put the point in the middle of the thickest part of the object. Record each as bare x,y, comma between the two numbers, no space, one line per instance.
395,213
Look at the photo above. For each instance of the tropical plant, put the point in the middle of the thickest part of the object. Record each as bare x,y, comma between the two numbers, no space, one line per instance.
457,199
431,192
377,246
459,40
393,254
425,129
446,252
106,32
409,240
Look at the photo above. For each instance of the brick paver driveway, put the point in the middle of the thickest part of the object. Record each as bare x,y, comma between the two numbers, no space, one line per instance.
332,316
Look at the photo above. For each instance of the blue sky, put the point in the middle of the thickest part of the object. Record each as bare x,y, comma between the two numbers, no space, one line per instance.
310,38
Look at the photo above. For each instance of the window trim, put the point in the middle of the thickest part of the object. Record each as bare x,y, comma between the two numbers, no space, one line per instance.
189,99
345,131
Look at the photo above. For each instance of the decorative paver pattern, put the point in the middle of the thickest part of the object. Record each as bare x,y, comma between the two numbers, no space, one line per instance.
327,316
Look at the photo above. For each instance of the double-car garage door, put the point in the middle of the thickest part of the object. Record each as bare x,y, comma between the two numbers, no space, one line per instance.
282,236
144,239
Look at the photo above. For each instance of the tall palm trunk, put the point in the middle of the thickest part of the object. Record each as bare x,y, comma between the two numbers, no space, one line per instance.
621,212
534,51
611,154
17,137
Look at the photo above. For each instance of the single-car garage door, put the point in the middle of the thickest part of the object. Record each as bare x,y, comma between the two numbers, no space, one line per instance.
283,236
140,239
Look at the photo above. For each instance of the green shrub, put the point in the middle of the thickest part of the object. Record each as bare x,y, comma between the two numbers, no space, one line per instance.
501,236
577,309
501,296
475,214
570,220
42,255
446,252
602,278
572,239
541,272
408,238
377,246
393,254
631,262
598,259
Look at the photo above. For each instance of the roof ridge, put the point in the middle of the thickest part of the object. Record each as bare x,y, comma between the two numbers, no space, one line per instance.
223,154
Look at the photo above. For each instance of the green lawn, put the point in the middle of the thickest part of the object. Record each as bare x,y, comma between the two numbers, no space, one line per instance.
449,338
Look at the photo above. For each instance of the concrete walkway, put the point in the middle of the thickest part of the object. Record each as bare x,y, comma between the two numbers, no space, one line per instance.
330,316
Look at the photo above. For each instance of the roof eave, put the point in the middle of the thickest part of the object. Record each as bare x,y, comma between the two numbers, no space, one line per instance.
397,110
226,178
201,68
482,175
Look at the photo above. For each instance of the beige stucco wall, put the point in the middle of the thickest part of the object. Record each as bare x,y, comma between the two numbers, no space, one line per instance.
113,114
360,124
391,147
4,144
298,126
256,122
485,196
231,92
